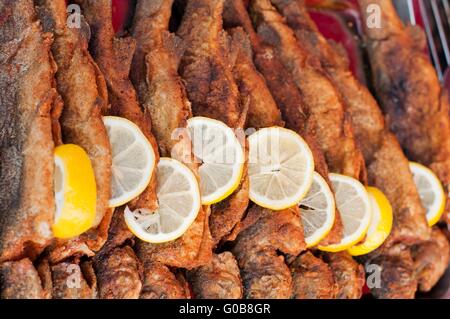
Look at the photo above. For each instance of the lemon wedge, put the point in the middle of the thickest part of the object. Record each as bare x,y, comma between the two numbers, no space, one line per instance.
179,203
222,157
380,225
353,203
430,191
75,192
133,160
281,168
318,211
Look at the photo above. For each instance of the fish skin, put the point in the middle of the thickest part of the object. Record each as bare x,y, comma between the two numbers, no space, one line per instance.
84,93
27,97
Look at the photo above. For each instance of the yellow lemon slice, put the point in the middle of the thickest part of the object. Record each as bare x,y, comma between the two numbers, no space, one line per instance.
380,226
222,157
133,160
317,211
430,191
353,203
75,192
280,168
179,203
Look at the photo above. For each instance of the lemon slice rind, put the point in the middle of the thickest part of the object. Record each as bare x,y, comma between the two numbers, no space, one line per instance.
351,236
177,205
222,156
421,175
75,192
380,225
319,194
133,160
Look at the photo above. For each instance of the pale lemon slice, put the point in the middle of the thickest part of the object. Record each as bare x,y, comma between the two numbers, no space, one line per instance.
430,191
75,192
353,203
133,160
380,225
222,157
280,168
179,203
317,211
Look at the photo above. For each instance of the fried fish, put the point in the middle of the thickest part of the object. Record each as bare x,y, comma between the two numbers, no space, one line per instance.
27,96
165,98
206,68
406,83
263,234
83,90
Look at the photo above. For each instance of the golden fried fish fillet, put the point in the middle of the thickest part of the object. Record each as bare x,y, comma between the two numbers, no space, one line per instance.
431,260
285,93
161,283
191,250
393,274
263,235
205,65
119,234
119,274
27,96
348,274
312,278
387,167
45,274
151,20
84,93
165,99
118,270
220,279
325,108
113,56
321,99
20,280
206,68
415,104
73,281
263,110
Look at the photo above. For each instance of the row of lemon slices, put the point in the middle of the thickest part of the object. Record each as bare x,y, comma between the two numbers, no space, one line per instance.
281,173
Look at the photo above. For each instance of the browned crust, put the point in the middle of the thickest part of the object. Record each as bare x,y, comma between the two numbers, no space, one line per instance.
387,166
263,234
312,278
285,93
20,280
28,95
161,283
113,56
81,119
206,68
119,274
410,94
165,98
69,282
220,279
321,101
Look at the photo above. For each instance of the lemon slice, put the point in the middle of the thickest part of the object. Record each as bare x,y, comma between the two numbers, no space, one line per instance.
353,203
430,191
133,160
318,211
75,192
222,156
281,168
380,225
179,203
